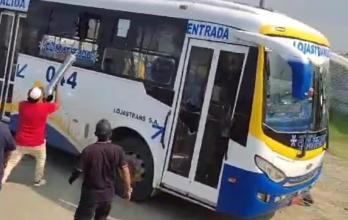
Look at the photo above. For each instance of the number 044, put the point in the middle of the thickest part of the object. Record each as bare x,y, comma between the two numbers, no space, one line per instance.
71,81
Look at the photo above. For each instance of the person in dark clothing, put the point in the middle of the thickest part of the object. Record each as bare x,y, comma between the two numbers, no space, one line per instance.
99,163
7,145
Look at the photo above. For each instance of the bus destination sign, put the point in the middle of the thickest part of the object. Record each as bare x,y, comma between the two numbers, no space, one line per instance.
209,31
15,5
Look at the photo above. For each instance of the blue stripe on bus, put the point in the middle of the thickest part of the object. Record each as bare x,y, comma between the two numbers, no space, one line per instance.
54,138
240,198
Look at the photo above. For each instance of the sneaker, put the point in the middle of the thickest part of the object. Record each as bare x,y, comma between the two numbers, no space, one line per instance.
40,183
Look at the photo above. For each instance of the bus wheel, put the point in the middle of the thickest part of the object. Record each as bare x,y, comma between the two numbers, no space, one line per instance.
140,163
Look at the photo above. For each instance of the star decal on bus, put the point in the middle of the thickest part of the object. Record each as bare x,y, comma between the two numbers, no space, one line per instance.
293,140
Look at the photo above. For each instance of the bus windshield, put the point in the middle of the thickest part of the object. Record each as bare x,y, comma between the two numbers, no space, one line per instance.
285,112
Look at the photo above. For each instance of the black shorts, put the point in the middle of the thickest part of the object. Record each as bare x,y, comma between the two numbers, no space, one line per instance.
88,210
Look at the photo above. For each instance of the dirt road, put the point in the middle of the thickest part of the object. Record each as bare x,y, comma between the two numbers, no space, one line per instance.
330,195
57,200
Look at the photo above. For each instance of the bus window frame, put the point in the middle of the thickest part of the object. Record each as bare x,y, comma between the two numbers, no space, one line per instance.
104,41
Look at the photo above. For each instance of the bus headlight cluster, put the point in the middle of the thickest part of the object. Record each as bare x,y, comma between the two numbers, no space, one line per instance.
269,169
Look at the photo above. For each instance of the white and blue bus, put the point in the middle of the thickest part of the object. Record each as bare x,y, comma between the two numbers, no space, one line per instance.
221,104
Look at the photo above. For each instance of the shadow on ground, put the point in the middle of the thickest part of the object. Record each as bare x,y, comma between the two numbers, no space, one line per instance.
58,168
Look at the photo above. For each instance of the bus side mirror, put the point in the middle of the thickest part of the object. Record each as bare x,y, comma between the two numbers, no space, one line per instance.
302,78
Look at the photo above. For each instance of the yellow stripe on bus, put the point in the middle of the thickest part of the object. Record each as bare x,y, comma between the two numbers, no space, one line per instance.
11,107
256,121
294,33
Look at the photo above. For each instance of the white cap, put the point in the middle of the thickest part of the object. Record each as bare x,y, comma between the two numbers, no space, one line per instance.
35,93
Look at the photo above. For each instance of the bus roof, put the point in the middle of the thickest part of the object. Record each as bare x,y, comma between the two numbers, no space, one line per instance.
228,13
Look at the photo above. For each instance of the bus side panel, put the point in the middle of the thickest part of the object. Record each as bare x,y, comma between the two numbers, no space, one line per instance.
87,97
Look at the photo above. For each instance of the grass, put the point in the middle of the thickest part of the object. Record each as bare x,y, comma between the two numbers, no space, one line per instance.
339,135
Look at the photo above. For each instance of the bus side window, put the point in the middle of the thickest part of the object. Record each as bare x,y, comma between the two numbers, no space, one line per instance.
36,25
62,23
142,66
72,32
53,31
87,27
144,48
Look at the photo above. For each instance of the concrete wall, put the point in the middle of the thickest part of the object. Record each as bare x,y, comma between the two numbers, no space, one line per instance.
338,88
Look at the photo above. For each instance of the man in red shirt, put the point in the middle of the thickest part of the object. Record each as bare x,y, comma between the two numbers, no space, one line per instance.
30,136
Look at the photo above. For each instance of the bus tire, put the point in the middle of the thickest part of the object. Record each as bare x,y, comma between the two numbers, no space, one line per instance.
140,162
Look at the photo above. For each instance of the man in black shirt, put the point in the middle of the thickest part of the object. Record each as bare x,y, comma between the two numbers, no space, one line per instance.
7,145
99,163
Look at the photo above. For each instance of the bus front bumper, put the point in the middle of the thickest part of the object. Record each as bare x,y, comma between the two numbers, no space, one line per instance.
247,194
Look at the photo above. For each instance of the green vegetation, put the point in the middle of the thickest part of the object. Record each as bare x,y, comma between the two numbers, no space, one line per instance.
339,135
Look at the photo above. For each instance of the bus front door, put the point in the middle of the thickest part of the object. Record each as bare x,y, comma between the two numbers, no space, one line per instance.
212,74
11,24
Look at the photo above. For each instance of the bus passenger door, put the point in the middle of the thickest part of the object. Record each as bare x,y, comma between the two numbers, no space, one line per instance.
11,24
212,74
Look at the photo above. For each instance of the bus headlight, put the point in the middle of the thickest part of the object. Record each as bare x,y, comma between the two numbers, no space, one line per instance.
269,169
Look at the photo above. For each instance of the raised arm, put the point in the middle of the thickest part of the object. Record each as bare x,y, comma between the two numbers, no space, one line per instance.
57,97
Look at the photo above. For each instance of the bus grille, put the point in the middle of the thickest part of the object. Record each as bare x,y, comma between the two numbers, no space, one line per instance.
295,181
